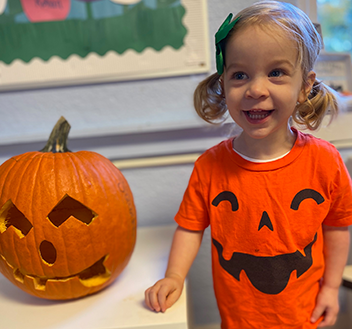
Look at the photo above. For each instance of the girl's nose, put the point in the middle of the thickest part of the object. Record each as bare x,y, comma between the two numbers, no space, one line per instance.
257,89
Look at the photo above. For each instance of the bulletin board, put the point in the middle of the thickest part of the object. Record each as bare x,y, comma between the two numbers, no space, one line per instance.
67,42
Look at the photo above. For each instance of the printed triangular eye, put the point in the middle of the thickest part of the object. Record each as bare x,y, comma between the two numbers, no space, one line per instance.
11,216
68,207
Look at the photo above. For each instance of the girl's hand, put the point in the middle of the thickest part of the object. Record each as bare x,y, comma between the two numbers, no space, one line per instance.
167,291
327,306
164,293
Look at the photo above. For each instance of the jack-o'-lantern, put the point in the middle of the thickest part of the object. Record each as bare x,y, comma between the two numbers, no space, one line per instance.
67,220
268,274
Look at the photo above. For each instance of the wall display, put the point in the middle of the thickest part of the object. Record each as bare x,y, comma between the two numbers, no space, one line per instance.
63,42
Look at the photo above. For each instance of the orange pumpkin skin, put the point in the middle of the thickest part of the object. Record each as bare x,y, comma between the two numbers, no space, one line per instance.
34,185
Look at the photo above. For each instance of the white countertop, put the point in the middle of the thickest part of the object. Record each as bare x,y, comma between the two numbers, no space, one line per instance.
121,305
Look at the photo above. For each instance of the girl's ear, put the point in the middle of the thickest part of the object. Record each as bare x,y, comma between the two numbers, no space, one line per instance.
307,87
221,81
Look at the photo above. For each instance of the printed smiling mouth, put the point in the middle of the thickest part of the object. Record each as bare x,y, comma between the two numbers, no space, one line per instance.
269,275
258,114
92,276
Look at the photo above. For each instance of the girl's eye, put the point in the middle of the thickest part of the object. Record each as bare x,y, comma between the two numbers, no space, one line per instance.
240,76
276,73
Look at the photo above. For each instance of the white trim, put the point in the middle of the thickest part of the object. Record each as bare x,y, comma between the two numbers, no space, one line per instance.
157,161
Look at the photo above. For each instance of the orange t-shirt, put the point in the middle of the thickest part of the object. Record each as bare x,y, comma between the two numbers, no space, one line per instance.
266,228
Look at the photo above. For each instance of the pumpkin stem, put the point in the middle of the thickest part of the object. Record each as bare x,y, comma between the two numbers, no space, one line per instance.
57,142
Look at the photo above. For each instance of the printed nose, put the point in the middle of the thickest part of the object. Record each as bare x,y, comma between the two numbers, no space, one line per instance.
47,252
265,221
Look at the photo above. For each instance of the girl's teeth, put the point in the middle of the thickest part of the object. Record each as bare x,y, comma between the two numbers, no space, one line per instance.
258,116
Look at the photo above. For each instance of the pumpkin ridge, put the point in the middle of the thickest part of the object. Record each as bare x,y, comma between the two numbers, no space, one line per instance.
102,171
78,164
60,239
88,157
21,167
36,181
9,166
17,167
78,169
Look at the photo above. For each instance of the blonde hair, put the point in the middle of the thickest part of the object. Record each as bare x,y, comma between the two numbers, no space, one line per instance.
209,100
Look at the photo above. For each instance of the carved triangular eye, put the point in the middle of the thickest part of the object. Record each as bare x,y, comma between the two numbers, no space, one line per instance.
11,216
70,207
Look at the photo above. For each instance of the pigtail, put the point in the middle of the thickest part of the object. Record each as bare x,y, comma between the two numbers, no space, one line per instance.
321,101
209,100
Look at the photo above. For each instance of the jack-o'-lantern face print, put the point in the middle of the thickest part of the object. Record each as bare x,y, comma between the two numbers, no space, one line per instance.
268,274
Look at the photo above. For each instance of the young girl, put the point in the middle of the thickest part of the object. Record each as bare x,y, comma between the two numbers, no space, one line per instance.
279,202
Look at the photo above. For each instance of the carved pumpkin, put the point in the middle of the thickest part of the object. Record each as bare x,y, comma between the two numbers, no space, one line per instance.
67,220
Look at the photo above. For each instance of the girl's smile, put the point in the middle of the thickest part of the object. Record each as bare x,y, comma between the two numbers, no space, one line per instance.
257,116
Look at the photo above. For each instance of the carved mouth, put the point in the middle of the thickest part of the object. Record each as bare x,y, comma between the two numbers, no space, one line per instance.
269,275
92,276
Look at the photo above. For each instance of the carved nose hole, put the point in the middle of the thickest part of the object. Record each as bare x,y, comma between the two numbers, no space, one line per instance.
48,252
265,221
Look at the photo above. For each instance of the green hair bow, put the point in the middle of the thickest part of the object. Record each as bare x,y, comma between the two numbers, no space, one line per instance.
222,33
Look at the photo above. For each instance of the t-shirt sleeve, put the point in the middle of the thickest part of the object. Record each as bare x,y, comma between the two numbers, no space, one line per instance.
193,211
340,213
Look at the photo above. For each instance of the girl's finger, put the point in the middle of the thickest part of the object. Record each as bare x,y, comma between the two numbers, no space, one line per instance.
317,313
163,294
153,298
147,300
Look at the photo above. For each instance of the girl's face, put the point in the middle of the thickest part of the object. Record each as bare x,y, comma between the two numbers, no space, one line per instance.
263,81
